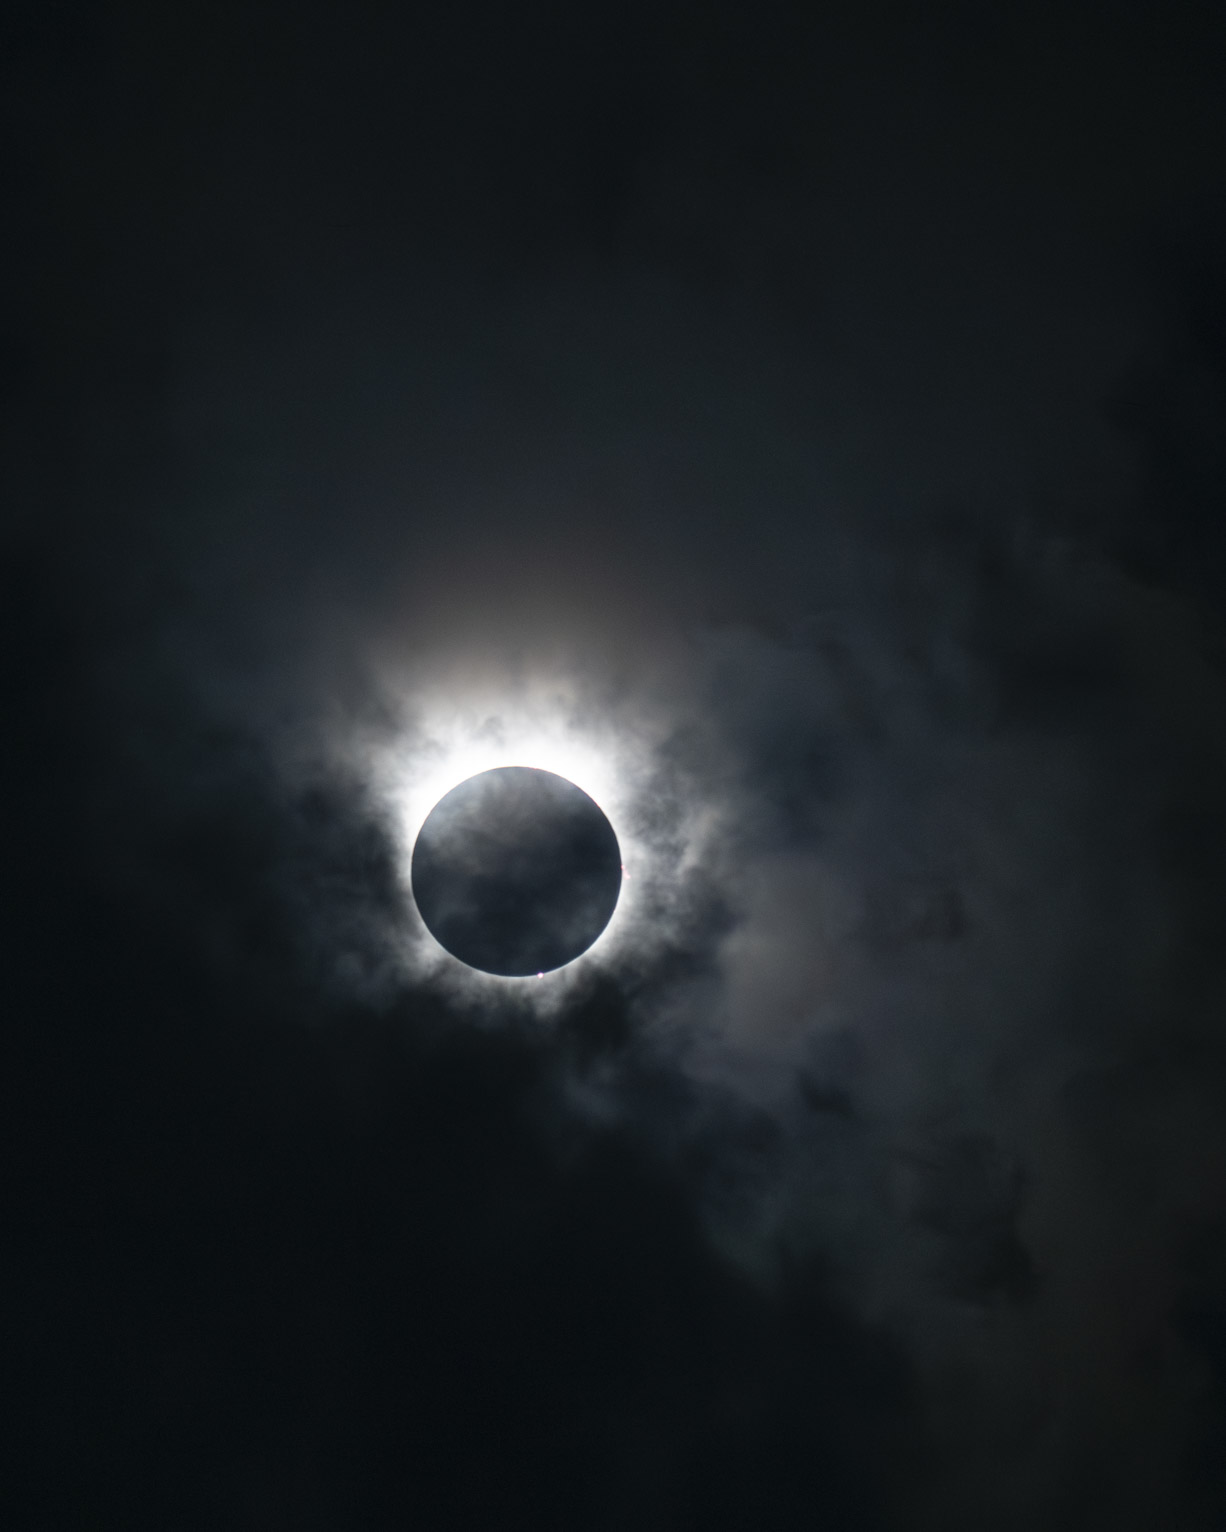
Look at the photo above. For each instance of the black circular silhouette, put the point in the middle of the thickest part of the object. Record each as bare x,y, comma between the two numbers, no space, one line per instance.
516,871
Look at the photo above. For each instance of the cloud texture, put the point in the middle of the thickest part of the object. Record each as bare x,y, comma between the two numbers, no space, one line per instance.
809,446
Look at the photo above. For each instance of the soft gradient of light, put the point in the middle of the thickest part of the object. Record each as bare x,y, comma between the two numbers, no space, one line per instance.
463,726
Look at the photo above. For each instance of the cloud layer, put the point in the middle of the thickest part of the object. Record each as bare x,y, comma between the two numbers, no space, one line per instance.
804,434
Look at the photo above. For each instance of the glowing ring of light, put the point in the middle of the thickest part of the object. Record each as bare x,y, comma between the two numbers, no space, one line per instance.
451,739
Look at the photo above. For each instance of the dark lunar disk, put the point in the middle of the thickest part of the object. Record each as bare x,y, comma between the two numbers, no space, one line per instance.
516,871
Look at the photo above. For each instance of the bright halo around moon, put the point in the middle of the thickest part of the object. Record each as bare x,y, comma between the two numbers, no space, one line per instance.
454,735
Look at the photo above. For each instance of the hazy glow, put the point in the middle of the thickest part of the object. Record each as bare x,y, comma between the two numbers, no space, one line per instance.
467,742
455,732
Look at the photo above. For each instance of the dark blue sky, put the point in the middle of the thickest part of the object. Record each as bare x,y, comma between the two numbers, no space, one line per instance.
815,415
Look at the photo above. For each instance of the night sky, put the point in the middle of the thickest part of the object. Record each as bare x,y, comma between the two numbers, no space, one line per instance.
802,427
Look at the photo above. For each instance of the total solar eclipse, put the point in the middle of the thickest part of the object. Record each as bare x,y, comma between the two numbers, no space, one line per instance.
516,871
